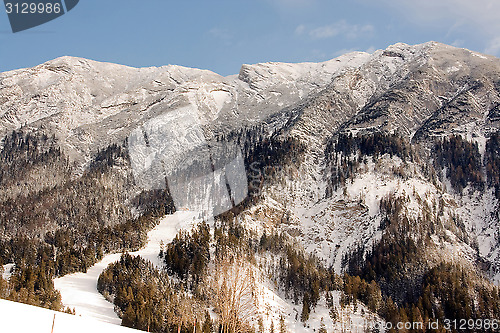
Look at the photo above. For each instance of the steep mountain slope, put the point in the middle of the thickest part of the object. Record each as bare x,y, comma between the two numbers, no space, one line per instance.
420,93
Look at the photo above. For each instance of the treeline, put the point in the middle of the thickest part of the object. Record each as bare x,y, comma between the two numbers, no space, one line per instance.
63,252
176,298
31,282
30,162
373,144
460,158
264,154
384,283
345,153
188,255
93,200
462,161
492,160
302,277
146,297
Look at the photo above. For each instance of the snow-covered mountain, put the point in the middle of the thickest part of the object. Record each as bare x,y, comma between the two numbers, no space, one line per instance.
343,156
90,104
419,92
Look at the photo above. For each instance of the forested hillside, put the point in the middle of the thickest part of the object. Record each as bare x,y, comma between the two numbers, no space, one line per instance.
54,223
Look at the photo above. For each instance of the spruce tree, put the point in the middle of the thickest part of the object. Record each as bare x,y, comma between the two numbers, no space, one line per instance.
282,325
207,323
305,309
322,328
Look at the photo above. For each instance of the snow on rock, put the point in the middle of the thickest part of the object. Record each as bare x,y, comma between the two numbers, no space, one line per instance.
220,97
19,317
479,210
7,271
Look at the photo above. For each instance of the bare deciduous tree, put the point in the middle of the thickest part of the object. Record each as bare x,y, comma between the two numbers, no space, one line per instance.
232,289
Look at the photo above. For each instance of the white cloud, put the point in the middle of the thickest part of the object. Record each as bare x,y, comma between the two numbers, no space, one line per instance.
326,31
300,29
342,28
480,16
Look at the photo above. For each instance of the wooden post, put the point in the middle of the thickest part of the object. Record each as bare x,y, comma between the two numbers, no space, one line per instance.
53,322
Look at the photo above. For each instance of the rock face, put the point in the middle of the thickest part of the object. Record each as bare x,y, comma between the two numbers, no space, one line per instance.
419,92
91,104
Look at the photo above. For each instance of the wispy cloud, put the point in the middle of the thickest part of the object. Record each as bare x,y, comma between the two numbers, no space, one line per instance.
340,28
480,16
300,29
326,31
222,34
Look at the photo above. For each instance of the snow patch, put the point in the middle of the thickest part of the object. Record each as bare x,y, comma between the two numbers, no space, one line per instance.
7,271
220,97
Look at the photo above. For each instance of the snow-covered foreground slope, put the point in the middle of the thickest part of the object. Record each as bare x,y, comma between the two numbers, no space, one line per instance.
17,317
79,290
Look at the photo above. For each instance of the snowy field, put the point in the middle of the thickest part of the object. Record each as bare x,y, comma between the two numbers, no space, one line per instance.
79,290
26,318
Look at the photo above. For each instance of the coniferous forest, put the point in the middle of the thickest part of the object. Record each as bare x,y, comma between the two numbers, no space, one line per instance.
54,223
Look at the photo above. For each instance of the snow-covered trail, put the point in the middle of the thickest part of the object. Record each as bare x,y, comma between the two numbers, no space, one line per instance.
79,290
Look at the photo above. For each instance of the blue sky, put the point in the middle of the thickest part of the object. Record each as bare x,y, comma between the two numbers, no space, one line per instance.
220,35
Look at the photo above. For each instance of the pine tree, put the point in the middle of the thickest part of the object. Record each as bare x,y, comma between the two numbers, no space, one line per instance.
334,313
207,324
129,318
305,309
322,328
283,328
260,324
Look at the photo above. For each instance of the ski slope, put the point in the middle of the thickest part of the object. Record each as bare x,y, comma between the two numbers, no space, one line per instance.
18,317
79,290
